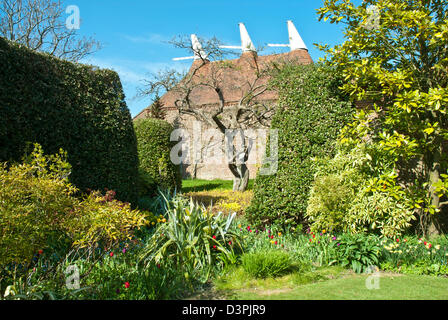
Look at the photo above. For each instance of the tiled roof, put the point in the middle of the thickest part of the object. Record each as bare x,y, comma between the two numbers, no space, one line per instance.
234,79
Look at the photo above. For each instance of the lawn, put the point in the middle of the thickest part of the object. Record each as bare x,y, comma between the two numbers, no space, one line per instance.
218,194
392,287
331,283
198,185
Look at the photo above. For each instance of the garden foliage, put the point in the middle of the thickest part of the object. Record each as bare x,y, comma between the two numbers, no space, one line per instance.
264,264
344,197
78,108
192,238
38,204
154,147
309,118
396,58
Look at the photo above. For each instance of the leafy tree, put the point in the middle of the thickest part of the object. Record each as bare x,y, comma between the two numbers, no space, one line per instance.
396,55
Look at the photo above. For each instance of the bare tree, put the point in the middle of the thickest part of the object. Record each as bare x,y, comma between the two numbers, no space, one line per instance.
232,117
41,25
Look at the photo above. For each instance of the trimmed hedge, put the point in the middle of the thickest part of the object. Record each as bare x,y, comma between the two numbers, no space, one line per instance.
154,147
75,107
310,115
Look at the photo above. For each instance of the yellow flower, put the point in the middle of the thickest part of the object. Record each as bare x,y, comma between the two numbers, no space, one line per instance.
272,241
323,231
279,234
153,223
163,220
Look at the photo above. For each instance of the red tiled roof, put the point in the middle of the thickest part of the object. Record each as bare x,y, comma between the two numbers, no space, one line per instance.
234,78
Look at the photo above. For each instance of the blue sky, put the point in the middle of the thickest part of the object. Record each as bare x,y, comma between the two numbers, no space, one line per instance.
134,32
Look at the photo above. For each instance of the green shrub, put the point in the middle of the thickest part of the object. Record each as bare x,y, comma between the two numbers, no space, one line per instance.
264,264
78,108
358,252
154,147
342,198
309,118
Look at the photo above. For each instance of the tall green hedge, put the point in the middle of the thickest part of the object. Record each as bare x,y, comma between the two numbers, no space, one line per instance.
310,115
76,107
154,148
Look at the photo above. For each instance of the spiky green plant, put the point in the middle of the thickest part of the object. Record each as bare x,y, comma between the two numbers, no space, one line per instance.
194,238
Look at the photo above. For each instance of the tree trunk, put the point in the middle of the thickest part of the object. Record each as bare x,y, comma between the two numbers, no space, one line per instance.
241,176
433,227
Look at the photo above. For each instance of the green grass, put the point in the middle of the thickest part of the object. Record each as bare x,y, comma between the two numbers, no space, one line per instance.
198,185
331,283
236,280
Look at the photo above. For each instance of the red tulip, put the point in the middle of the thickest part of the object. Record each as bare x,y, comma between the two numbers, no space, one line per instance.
126,285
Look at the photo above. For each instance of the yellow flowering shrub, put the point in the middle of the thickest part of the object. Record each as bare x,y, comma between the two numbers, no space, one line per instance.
37,200
101,219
